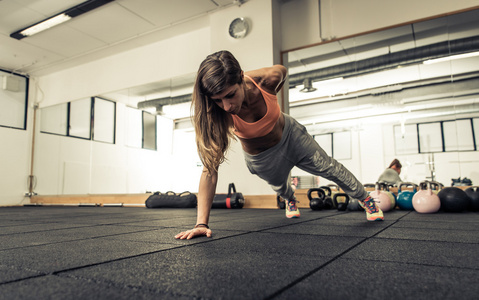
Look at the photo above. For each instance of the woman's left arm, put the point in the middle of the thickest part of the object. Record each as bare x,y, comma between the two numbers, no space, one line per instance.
271,79
281,73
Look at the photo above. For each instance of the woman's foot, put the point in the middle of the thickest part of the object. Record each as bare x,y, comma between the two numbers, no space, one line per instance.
292,210
373,212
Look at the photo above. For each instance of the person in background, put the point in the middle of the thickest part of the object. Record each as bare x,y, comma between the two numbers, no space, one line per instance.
229,103
294,182
391,174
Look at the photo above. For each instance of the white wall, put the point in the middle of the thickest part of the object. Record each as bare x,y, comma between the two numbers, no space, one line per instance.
66,165
162,60
14,164
301,25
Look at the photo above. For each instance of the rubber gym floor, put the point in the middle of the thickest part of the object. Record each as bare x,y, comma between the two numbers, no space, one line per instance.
131,253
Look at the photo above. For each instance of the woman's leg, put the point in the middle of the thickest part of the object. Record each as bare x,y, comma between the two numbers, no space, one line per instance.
274,166
311,158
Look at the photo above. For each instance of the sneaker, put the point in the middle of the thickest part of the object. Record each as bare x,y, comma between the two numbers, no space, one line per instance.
292,211
373,212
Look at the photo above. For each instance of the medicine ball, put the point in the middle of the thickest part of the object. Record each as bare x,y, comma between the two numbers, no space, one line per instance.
453,199
473,193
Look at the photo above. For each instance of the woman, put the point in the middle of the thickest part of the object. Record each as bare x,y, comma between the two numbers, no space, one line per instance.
391,174
228,102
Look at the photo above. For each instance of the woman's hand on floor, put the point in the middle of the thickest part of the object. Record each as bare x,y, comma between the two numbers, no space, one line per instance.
189,234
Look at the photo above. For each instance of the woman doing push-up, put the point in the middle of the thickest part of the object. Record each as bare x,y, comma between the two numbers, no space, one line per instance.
228,102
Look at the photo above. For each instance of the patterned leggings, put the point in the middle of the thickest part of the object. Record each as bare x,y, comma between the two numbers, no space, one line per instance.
298,148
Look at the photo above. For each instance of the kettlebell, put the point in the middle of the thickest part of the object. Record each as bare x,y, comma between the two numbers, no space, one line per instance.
473,193
425,201
316,203
392,197
381,197
404,200
436,187
328,200
334,189
393,190
343,204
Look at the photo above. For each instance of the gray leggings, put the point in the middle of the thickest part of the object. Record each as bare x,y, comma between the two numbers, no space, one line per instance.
298,148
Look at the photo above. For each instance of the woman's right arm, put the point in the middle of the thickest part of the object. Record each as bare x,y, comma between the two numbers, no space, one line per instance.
206,193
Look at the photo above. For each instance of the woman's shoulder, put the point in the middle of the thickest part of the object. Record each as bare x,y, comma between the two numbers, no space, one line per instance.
268,78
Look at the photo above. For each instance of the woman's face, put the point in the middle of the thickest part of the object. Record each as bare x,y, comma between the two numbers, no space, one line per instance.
231,99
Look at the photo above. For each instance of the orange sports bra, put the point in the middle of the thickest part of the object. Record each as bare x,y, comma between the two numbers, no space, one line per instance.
264,125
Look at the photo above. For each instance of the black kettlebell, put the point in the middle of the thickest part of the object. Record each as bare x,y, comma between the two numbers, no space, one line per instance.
328,201
316,203
341,205
473,193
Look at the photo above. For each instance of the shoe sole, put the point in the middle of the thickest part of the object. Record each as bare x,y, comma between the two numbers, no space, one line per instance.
376,219
292,217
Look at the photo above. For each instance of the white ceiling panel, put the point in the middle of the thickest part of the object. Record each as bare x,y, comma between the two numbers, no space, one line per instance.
111,23
165,12
109,29
13,17
48,7
223,2
16,56
64,40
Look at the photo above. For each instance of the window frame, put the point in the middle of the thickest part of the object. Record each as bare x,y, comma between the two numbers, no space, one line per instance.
25,115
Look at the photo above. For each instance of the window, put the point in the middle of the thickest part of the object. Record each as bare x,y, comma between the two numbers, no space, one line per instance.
133,127
104,120
405,138
89,118
149,131
342,145
326,142
475,122
458,135
430,137
80,118
337,145
13,100
54,119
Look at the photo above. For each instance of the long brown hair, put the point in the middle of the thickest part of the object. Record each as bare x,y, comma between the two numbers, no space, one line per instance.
213,126
396,163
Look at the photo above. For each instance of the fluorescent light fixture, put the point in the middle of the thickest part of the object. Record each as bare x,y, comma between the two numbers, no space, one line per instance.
44,25
58,18
448,58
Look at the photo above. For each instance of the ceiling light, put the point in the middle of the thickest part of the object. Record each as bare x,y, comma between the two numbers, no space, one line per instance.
48,23
448,58
58,18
